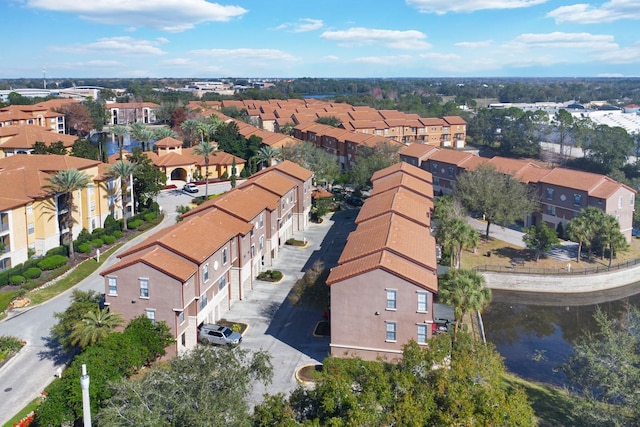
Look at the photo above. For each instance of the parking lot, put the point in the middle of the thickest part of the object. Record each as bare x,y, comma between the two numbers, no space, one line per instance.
283,330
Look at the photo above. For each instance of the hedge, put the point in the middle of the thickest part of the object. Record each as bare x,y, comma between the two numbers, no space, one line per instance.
109,240
117,234
97,242
32,273
52,262
84,248
135,223
17,280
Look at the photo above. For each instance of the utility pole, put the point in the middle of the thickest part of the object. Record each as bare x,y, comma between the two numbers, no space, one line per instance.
86,407
44,77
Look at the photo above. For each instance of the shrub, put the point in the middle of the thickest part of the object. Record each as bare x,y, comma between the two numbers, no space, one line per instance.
97,231
16,280
60,250
110,222
225,175
270,275
52,262
84,248
276,275
32,273
118,234
109,240
97,242
135,223
150,216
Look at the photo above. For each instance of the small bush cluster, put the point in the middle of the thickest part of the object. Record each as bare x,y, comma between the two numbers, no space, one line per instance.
270,275
52,262
32,273
16,280
134,223
109,240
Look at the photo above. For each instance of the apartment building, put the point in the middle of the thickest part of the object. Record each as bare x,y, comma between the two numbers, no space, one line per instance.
20,139
562,192
126,113
31,219
383,287
190,273
43,114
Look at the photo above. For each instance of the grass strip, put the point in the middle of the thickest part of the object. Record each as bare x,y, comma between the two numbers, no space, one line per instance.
24,412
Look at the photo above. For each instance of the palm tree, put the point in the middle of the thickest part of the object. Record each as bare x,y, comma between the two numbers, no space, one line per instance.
190,130
120,132
464,237
124,171
611,236
65,183
143,134
267,154
465,291
164,132
205,149
580,230
94,326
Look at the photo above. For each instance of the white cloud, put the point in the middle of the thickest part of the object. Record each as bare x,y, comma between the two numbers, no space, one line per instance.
167,15
623,55
444,6
610,75
359,36
383,60
587,41
610,11
302,26
240,54
116,46
439,56
331,58
474,45
177,61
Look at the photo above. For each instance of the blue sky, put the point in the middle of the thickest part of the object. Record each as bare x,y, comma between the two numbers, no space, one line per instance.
320,38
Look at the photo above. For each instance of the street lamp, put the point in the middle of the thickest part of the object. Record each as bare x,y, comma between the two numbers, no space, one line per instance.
86,408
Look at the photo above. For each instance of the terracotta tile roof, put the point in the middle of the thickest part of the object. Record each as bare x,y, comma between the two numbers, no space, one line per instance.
403,202
389,262
273,182
395,233
174,159
129,105
160,259
400,179
168,142
27,135
405,168
432,121
579,180
416,150
321,193
453,157
14,184
186,238
294,170
454,120
246,203
509,166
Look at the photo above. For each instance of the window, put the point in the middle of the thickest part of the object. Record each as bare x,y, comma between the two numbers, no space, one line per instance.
222,283
181,318
450,171
434,167
113,286
144,288
261,221
631,200
436,180
261,242
184,339
550,193
30,209
31,227
577,198
205,273
391,299
253,251
423,302
551,210
92,206
203,301
422,334
619,202
224,256
151,315
391,331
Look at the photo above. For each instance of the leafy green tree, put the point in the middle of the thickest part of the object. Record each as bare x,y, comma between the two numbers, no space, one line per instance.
190,130
540,238
372,159
605,369
306,154
452,230
464,290
94,326
124,171
52,148
208,386
607,147
99,115
148,180
85,149
82,302
77,118
234,173
229,139
64,183
501,198
329,120
205,149
562,128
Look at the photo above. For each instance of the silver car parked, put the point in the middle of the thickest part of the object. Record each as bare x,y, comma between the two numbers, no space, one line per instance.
219,335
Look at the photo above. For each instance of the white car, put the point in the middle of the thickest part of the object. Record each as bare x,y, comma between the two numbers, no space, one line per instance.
190,188
217,334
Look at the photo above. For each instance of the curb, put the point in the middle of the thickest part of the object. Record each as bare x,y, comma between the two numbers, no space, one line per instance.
300,380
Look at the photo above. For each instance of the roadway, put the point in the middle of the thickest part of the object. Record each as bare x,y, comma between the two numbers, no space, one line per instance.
26,375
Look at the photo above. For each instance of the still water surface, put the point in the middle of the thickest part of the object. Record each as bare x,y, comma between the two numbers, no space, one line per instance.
535,332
